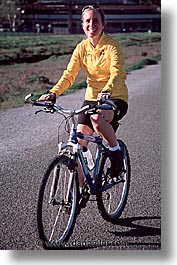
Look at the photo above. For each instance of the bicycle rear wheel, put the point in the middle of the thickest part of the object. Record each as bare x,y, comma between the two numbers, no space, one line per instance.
112,201
57,203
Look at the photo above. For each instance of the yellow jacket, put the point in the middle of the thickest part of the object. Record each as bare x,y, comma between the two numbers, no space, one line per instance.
102,65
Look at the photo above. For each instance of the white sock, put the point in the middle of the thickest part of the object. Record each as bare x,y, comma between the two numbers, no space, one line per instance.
117,147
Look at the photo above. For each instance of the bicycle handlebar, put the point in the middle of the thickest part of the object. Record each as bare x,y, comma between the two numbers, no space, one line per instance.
51,107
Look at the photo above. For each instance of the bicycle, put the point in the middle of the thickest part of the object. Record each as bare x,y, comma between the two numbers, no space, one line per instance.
59,200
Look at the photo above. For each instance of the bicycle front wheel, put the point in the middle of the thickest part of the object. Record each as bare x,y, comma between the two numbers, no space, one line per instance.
112,200
57,203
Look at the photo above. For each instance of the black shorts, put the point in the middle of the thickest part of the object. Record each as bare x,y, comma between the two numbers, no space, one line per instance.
119,113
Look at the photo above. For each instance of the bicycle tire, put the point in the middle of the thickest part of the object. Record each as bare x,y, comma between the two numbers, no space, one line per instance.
62,202
119,192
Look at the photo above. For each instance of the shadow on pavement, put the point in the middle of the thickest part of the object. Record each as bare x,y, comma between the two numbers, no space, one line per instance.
138,230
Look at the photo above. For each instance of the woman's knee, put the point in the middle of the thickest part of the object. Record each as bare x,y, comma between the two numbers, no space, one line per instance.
96,120
99,122
102,117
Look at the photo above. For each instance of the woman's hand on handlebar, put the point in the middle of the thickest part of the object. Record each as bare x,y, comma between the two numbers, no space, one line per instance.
48,97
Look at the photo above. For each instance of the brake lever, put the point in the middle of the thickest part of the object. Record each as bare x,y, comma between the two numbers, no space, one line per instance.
41,110
45,110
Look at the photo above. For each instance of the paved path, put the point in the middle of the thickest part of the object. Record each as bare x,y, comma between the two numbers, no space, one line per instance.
28,142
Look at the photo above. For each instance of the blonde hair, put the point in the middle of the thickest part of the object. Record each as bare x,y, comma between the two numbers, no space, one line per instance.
95,8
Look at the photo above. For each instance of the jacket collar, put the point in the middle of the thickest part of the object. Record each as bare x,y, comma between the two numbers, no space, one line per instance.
91,48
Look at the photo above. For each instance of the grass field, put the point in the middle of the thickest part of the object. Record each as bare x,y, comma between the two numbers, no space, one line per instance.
34,63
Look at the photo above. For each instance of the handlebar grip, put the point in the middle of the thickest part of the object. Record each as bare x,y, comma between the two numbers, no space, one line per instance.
104,107
109,102
47,104
39,103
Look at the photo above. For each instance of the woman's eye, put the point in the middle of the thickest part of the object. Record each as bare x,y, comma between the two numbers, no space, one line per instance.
95,21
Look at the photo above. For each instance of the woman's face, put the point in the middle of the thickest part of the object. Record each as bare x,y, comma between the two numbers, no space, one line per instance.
92,24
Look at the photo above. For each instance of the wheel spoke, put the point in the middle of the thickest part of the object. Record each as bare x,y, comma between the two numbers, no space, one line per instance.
53,228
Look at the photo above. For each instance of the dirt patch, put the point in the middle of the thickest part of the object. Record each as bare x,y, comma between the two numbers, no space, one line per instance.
134,54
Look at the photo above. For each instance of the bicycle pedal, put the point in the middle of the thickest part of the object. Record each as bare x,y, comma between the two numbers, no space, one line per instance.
118,179
83,200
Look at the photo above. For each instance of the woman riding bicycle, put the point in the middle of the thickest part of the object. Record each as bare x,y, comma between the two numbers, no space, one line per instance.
101,58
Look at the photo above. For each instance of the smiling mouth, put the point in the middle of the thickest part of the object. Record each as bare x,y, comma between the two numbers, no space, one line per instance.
92,31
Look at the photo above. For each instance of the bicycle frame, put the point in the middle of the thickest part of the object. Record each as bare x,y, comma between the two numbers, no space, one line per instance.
73,142
101,148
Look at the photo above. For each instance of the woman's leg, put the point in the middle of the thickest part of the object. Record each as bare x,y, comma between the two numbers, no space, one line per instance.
101,124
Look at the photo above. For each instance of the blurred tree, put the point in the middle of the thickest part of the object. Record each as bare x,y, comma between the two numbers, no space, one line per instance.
8,11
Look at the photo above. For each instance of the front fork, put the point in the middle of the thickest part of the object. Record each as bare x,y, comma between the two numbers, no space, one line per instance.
72,163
